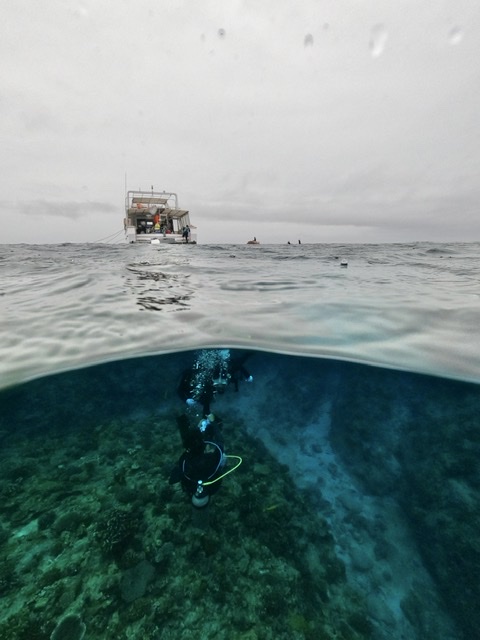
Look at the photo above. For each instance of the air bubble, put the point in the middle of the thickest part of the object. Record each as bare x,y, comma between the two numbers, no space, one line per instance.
308,40
378,40
455,35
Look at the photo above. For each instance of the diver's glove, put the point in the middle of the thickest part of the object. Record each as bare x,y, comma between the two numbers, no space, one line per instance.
249,379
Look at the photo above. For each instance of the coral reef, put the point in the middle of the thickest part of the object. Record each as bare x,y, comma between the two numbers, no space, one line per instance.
115,530
119,545
70,627
134,582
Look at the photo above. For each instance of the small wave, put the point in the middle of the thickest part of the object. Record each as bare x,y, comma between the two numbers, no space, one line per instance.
398,306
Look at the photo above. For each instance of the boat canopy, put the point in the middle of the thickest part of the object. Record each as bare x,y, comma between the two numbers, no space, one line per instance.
148,200
148,203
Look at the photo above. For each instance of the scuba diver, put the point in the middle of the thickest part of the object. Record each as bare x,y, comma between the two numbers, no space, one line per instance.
203,464
202,461
212,371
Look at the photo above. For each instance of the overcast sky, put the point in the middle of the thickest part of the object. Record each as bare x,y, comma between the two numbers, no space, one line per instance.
325,120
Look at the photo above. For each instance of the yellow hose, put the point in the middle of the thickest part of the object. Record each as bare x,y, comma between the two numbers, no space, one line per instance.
205,484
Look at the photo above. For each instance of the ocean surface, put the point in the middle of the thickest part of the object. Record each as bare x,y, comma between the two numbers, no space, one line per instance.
414,306
356,510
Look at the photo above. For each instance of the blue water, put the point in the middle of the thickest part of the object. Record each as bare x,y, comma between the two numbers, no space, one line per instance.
364,393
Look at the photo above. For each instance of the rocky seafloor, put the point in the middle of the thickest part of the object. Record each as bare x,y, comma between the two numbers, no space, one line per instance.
95,541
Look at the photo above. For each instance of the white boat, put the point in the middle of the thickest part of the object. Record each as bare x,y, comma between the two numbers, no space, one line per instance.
155,217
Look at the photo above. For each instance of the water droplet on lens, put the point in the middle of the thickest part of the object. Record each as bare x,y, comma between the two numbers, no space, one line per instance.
455,35
221,33
308,40
81,10
378,40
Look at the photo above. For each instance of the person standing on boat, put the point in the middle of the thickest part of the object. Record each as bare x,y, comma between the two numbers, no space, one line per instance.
186,233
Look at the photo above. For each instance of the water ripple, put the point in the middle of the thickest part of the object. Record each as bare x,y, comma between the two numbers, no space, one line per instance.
414,306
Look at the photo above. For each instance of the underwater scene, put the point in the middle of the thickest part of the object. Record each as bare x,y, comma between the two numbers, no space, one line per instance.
242,495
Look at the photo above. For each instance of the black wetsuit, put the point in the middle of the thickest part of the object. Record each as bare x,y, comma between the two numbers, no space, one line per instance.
237,370
202,458
203,396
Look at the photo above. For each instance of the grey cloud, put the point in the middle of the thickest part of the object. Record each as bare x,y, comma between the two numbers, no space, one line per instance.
292,114
65,209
